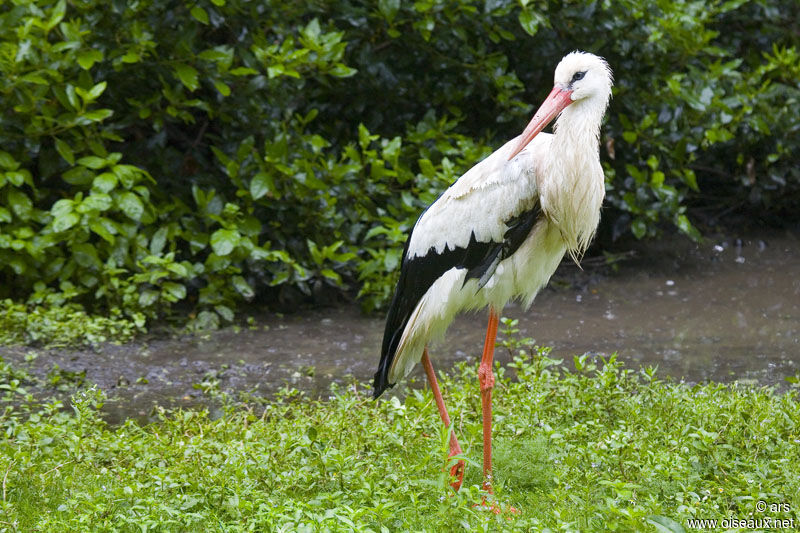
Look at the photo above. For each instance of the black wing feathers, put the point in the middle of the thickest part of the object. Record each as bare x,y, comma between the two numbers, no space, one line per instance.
519,227
416,277
479,258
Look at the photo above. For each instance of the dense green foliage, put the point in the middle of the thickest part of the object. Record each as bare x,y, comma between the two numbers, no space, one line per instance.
206,154
55,324
601,448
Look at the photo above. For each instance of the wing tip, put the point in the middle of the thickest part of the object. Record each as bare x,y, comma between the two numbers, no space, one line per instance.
380,385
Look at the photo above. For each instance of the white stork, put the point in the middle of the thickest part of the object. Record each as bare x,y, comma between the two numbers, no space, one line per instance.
499,232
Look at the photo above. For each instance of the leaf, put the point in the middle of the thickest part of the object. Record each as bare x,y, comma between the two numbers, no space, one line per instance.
223,89
687,227
19,202
78,175
225,312
426,168
57,15
691,179
98,201
629,136
425,26
331,275
87,58
179,269
36,78
97,90
530,21
274,71
223,241
313,250
65,151
148,297
93,162
639,228
128,175
665,525
158,240
72,97
243,71
224,55
657,179
187,75
131,205
340,70
96,115
199,14
85,255
389,9
392,150
261,185
16,178
392,259
206,320
65,221
7,161
242,287
105,182
364,137
250,227
102,229
176,291
312,30
131,56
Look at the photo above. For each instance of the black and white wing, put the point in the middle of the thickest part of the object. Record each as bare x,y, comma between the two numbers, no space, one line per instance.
480,220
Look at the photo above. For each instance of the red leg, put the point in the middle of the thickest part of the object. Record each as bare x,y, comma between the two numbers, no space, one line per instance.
486,378
455,449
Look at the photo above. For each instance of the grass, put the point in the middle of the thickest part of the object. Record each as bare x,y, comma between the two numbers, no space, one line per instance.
598,448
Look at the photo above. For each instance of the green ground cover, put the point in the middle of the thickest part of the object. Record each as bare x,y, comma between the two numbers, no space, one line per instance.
184,160
597,448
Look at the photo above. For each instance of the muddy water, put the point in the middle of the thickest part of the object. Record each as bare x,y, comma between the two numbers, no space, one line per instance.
725,310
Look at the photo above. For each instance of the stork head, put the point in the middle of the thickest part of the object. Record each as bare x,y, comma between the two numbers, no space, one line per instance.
580,77
584,76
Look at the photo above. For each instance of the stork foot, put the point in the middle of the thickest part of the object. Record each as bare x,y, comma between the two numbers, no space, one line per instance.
490,503
496,508
457,474
457,470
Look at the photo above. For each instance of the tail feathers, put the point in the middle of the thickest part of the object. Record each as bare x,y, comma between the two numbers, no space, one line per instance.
389,351
380,385
398,351
381,382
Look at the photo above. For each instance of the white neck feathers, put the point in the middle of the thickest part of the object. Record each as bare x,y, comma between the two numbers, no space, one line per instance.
573,185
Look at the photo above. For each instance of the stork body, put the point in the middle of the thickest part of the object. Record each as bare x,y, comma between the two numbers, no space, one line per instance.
499,232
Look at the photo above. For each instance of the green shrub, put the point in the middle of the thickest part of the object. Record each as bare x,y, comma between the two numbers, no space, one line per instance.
200,155
60,325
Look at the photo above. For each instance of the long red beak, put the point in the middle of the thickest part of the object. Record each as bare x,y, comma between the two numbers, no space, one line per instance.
556,101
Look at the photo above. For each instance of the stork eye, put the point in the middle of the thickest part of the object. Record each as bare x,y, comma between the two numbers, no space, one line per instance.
578,76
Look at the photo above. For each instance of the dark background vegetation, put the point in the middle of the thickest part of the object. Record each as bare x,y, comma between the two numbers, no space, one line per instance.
174,159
